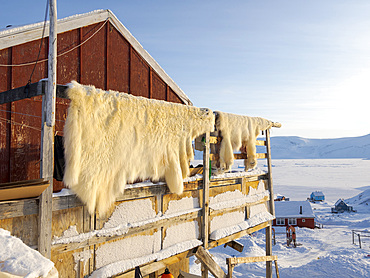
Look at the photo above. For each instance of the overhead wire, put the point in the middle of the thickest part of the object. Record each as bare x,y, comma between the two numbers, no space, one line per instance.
42,40
60,54
20,124
29,115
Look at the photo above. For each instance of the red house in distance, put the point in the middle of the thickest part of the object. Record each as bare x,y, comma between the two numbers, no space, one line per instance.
294,213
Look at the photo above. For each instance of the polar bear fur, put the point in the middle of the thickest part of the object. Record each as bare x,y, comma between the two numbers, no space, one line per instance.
115,138
239,132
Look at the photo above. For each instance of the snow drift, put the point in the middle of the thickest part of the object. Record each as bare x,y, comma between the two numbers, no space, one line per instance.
115,138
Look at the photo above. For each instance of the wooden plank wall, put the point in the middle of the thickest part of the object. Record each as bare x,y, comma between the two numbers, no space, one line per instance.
68,211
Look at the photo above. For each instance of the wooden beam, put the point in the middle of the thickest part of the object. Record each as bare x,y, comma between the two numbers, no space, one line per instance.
47,140
206,259
187,275
34,89
278,125
20,93
205,217
46,198
165,222
271,206
223,211
246,260
237,235
245,155
17,208
155,266
205,222
213,139
235,245
260,143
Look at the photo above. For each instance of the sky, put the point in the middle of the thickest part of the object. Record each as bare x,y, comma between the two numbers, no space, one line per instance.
305,64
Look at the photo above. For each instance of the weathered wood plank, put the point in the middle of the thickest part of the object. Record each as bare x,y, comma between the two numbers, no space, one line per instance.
46,198
205,218
165,222
16,208
278,125
218,212
235,245
237,235
20,93
205,258
245,260
32,90
223,182
155,266
260,143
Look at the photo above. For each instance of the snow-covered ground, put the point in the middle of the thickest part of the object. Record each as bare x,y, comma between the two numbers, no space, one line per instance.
326,252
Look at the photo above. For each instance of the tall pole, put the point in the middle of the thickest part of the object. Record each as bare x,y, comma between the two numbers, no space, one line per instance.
47,140
205,227
270,205
52,66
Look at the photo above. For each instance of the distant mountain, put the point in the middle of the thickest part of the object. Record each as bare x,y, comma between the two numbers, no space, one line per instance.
285,147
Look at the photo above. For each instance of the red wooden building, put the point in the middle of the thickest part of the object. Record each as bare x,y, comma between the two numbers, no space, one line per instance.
93,48
294,213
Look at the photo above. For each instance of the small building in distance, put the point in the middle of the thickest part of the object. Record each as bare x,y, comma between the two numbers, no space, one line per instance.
317,196
294,213
281,198
341,206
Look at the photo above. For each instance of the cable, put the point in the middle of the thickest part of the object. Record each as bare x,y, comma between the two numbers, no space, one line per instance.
42,40
61,54
15,123
26,114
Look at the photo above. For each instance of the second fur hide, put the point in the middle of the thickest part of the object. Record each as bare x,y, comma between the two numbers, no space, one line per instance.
237,132
115,138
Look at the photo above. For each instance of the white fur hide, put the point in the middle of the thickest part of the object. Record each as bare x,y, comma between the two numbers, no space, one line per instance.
115,138
239,132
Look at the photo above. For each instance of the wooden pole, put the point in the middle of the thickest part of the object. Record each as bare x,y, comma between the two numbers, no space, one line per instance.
271,207
205,226
47,140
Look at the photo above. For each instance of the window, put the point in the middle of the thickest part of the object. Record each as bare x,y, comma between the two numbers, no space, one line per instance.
292,221
280,221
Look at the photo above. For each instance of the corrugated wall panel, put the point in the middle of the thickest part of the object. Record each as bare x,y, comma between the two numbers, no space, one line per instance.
68,65
26,129
118,72
173,97
5,84
93,57
139,78
158,87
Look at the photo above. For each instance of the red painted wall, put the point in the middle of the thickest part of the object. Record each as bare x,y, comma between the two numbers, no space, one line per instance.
106,61
309,223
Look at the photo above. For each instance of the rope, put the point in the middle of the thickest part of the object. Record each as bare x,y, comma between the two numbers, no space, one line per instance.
61,54
15,123
29,115
42,40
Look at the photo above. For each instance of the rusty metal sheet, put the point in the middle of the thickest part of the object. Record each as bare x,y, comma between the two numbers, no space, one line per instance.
172,97
68,66
5,75
118,68
139,78
93,56
158,87
26,116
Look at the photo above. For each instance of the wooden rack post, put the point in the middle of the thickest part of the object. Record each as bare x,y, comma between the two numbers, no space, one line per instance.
47,140
271,206
205,224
